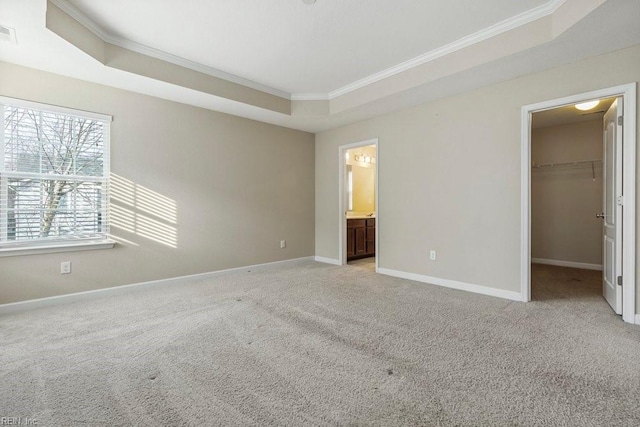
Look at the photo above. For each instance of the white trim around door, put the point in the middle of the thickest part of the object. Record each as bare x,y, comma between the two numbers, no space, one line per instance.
628,93
342,229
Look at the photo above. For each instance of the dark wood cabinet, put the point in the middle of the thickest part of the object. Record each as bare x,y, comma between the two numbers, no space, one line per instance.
371,239
351,243
361,238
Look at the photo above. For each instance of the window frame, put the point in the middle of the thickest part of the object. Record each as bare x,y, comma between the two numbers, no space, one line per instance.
55,245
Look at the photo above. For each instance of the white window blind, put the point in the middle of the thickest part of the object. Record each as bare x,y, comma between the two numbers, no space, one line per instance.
54,175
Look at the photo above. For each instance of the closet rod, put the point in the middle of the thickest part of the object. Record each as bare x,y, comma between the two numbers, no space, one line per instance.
581,162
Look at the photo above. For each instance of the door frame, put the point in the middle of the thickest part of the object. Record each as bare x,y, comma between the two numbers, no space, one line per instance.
628,94
342,228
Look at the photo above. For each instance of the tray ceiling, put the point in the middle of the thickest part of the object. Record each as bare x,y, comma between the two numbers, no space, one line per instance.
310,67
298,48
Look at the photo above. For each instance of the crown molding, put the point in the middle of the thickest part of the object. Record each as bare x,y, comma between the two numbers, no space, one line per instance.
91,25
477,37
501,27
310,97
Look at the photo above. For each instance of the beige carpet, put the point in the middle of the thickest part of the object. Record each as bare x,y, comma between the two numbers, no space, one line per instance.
323,345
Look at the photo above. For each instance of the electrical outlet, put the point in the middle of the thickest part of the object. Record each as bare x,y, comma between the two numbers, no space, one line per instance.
432,255
283,244
65,267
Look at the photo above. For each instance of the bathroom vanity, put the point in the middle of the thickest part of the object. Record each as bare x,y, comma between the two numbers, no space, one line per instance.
361,238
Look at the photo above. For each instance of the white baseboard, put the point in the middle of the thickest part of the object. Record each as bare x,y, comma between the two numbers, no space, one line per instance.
637,319
447,283
571,264
332,261
33,304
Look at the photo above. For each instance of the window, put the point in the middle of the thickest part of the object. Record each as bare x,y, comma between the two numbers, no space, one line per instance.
54,177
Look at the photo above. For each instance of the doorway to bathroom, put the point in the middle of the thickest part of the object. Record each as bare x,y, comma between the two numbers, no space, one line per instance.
359,218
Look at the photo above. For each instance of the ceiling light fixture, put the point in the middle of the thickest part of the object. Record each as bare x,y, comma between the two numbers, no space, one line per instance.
364,159
586,106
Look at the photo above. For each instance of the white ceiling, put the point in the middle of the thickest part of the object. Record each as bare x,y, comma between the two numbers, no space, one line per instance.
570,114
294,47
290,61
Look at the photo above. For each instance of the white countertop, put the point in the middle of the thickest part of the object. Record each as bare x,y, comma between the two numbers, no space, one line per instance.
360,217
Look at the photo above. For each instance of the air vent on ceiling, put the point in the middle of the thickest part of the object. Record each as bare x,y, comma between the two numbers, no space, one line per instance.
7,34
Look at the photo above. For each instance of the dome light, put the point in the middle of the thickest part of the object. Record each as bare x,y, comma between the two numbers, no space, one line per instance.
586,106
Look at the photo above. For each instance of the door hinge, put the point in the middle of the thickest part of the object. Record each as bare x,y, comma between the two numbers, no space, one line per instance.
620,200
619,280
620,121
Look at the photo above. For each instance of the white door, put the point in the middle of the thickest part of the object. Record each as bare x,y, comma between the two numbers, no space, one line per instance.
612,211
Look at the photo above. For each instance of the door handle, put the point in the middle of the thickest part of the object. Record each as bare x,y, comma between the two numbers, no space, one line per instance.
601,215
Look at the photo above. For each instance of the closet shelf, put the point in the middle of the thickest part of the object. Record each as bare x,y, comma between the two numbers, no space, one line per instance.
577,163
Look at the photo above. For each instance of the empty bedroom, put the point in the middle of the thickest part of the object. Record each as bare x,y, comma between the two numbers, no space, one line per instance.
319,212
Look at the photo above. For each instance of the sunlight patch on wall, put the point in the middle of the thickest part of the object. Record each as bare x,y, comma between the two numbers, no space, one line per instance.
138,210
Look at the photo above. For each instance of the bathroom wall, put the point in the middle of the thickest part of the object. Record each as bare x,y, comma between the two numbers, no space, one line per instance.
364,178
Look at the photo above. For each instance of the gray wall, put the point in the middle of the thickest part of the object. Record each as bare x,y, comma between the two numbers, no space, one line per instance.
449,174
212,191
565,200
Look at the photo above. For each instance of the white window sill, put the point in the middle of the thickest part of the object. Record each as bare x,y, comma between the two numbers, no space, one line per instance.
57,247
